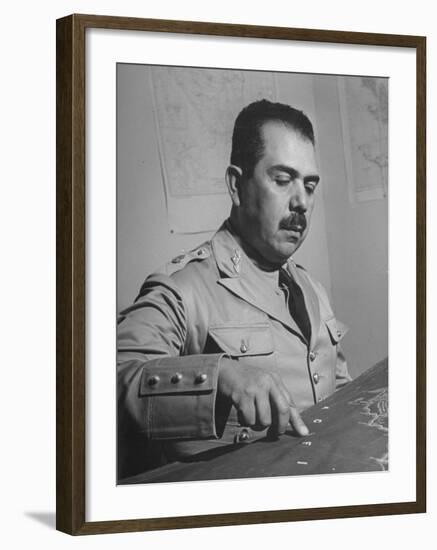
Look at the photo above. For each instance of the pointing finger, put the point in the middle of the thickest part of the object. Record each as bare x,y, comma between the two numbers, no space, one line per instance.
297,423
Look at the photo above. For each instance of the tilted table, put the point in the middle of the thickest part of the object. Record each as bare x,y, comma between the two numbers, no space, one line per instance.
348,433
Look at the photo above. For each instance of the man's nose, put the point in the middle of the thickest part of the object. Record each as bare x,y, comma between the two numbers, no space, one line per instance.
299,198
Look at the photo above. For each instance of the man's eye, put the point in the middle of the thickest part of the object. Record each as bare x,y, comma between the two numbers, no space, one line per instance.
282,180
310,188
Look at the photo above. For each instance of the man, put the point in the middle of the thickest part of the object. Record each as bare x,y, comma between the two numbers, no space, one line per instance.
229,342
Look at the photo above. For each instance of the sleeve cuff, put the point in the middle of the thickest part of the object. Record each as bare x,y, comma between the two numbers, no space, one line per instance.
179,395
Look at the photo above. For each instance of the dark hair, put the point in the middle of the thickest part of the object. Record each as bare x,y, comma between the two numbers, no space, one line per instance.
247,143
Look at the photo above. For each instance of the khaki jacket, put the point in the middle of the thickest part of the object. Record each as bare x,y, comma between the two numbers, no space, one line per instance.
201,306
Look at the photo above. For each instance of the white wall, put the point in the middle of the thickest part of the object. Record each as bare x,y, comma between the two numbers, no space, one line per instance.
28,282
357,241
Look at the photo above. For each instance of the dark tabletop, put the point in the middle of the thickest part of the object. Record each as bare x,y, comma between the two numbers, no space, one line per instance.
349,433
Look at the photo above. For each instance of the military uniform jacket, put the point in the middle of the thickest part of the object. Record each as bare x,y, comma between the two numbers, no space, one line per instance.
204,305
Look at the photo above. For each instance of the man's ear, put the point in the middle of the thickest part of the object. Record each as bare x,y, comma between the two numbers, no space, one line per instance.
234,176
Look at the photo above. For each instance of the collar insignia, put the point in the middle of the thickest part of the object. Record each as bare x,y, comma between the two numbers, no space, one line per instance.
236,259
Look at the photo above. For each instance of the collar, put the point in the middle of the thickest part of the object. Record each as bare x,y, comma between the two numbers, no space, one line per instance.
241,276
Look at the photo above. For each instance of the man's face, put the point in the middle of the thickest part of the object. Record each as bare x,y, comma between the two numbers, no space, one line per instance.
276,202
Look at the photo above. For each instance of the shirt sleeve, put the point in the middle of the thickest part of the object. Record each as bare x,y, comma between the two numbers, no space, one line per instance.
163,394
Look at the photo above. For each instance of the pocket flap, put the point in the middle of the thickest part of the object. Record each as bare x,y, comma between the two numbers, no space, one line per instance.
243,340
336,329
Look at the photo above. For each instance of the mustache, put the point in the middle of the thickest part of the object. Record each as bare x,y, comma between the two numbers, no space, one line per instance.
296,222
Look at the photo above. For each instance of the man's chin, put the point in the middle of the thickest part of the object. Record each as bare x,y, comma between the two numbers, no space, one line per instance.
292,242
284,252
291,247
275,253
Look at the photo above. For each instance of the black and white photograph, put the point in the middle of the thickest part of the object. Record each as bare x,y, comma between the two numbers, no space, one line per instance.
252,274
218,265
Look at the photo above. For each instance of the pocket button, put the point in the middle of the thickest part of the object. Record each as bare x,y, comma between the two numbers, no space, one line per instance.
243,347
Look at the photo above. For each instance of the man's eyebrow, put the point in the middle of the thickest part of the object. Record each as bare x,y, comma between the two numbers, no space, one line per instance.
294,173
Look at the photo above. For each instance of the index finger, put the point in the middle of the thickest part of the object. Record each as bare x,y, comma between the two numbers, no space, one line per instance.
296,422
292,415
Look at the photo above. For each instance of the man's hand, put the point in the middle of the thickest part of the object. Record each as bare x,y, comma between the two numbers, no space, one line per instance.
260,397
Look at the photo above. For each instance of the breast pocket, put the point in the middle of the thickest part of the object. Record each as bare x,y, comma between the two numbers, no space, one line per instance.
251,343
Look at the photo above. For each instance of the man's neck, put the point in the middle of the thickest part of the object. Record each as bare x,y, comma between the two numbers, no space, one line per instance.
259,261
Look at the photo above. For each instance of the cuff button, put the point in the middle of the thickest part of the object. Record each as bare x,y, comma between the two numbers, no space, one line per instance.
201,378
242,436
176,378
153,380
